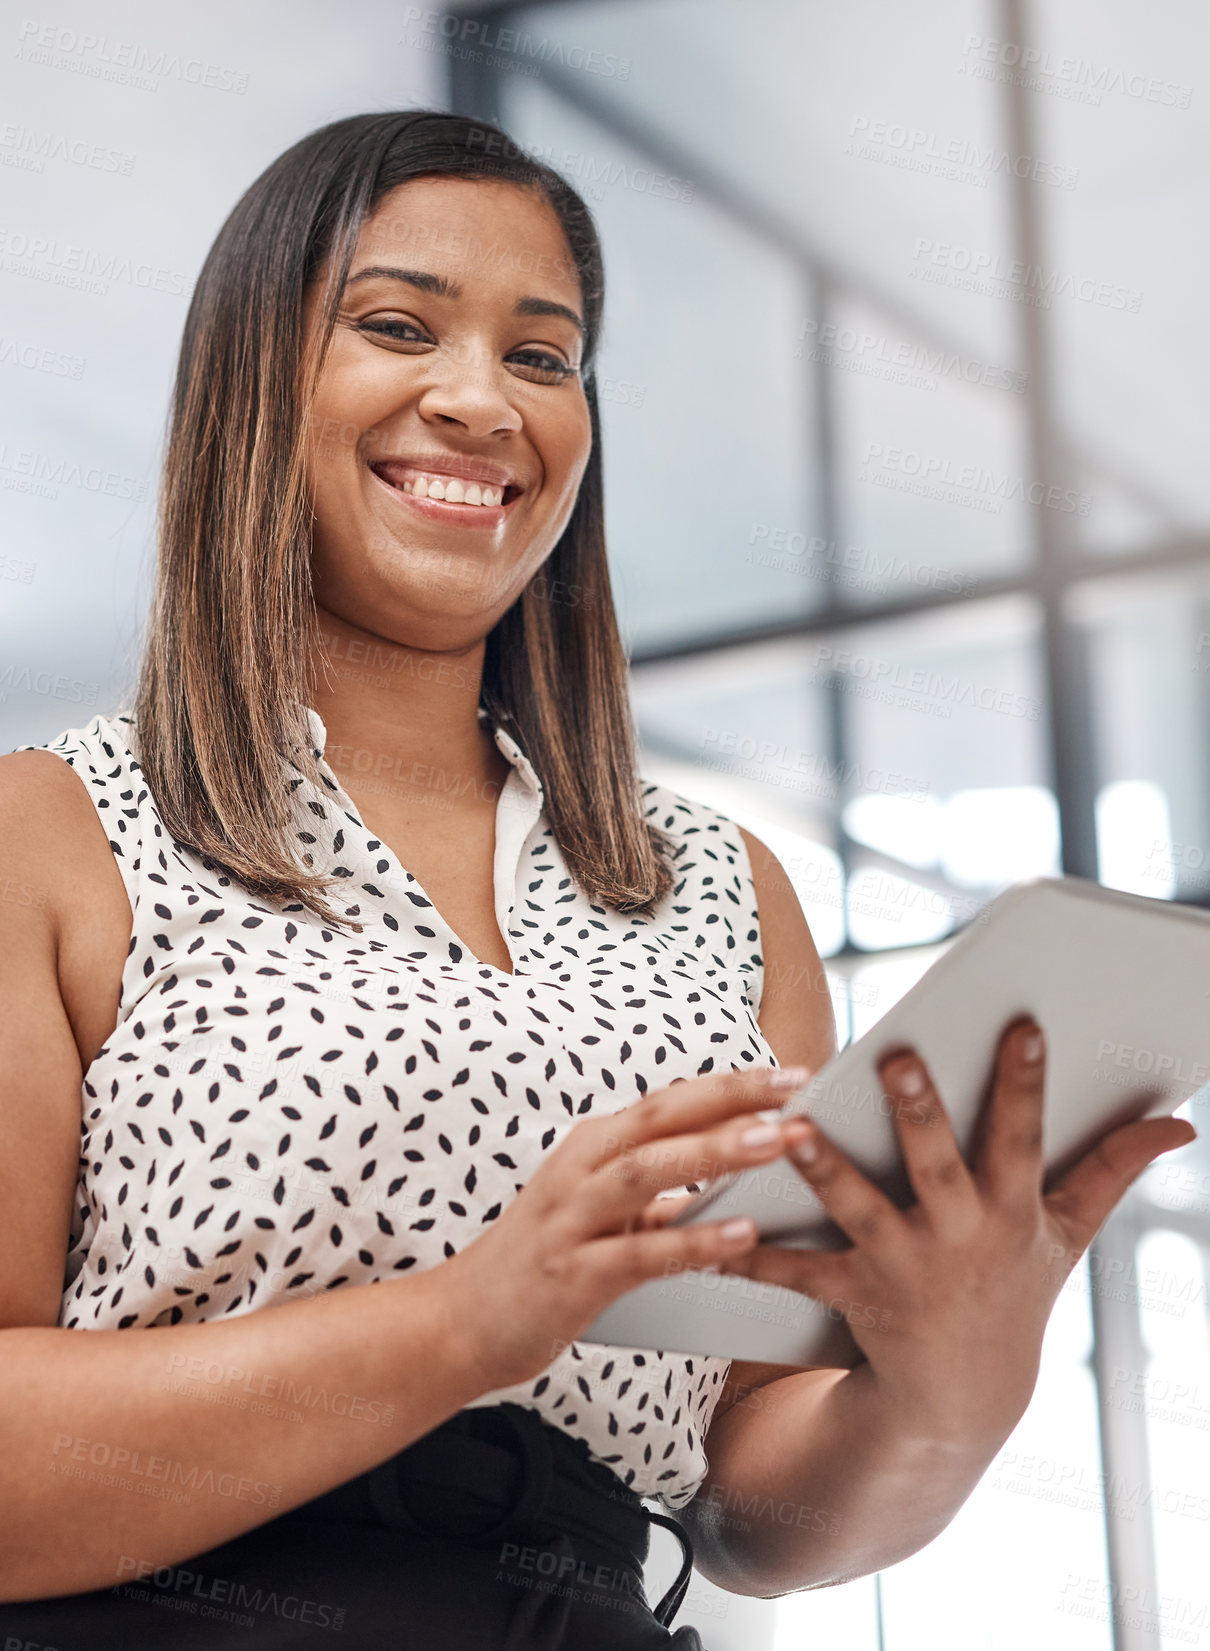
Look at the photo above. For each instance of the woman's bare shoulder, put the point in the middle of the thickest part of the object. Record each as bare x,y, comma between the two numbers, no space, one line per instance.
48,825
59,878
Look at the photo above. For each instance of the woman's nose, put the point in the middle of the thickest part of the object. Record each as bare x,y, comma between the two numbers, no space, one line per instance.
468,387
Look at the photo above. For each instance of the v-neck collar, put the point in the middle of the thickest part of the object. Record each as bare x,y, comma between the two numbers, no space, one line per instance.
518,810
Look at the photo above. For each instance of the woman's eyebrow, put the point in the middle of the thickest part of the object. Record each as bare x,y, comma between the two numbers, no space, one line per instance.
436,284
546,306
440,287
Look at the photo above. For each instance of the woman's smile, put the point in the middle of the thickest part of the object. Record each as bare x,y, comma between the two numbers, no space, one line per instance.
458,492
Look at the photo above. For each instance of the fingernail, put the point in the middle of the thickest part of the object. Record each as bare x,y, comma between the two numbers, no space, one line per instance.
787,1077
738,1230
760,1135
1033,1047
907,1080
805,1151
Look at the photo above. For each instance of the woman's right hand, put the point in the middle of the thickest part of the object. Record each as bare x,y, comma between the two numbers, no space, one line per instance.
588,1226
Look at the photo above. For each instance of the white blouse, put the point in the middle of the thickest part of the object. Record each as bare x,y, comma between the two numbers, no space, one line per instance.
282,1109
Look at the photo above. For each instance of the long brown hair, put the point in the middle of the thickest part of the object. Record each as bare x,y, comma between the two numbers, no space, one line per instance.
223,683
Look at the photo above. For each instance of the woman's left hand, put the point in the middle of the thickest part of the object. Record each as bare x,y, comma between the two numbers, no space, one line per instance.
949,1299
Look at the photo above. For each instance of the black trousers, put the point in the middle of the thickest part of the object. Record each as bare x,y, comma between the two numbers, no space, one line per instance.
495,1532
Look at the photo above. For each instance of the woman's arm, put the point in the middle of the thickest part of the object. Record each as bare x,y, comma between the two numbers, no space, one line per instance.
125,1448
820,1476
813,1482
94,1423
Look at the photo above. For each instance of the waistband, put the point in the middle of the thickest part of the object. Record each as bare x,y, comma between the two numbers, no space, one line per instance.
500,1473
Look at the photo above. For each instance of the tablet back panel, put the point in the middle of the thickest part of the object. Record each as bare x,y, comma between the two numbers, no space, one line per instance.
1119,984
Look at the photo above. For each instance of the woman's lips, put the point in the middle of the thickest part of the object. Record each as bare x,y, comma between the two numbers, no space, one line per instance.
453,515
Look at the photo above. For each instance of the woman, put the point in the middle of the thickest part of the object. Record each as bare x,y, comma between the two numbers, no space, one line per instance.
376,965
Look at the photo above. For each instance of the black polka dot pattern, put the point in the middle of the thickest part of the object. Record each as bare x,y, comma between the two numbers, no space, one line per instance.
283,1109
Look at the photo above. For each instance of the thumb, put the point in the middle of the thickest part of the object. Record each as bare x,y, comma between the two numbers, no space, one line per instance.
1083,1198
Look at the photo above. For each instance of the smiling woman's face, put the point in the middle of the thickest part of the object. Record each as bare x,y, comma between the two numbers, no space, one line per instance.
450,430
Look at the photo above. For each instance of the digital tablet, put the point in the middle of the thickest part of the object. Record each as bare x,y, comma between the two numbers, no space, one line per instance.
1120,985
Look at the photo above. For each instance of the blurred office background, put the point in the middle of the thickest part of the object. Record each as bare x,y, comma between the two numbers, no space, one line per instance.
903,389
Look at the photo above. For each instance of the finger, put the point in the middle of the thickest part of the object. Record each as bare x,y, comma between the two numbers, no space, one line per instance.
1082,1199
624,1185
935,1167
663,1210
827,1276
690,1105
864,1213
623,1261
1009,1165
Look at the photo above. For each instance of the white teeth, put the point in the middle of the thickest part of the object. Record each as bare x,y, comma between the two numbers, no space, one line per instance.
452,490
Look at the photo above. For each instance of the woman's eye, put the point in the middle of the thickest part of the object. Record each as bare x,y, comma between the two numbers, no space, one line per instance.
402,332
539,366
545,368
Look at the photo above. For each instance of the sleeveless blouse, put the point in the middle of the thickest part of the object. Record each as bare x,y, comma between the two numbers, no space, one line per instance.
283,1109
